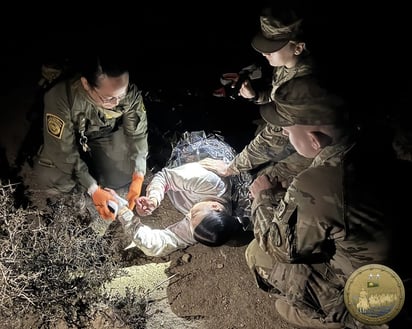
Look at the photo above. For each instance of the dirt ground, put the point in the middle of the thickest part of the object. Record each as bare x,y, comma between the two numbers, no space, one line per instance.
212,285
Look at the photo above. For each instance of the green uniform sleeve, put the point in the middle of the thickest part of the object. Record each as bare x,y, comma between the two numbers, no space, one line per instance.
285,170
60,144
135,127
268,145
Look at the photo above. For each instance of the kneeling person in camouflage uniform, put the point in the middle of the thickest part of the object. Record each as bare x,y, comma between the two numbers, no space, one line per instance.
332,220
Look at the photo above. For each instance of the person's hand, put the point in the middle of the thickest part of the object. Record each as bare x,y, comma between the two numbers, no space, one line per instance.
261,183
101,198
246,90
145,206
219,167
135,189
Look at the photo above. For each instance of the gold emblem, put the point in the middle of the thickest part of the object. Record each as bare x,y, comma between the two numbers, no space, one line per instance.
55,125
374,294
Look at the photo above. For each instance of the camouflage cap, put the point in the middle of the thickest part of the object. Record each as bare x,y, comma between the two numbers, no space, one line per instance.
274,35
304,108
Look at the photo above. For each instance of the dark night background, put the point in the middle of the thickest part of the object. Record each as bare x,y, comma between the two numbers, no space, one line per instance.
178,52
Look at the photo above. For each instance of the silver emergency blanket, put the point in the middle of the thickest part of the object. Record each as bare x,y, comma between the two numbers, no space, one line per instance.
196,145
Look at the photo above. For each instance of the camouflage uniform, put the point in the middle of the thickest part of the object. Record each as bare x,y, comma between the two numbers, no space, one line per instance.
117,139
270,146
282,75
331,221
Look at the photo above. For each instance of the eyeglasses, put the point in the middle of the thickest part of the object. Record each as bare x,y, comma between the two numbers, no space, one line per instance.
109,100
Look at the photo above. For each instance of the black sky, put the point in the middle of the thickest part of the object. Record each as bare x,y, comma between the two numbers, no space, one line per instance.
362,48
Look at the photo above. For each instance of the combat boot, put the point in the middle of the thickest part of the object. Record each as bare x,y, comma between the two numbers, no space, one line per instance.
299,319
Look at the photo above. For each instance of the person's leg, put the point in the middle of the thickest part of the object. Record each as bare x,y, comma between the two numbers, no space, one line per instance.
51,179
260,265
300,319
307,296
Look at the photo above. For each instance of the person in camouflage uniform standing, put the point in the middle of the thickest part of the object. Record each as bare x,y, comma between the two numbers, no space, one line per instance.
95,134
280,41
333,218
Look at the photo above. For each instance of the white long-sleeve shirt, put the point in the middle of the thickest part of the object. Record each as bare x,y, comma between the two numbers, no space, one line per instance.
185,185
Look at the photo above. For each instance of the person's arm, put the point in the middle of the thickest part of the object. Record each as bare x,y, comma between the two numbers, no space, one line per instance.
268,145
219,167
299,227
60,144
190,180
135,128
285,170
153,242
264,205
265,96
157,187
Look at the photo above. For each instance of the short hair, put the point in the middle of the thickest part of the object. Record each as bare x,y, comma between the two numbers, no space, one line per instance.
217,228
95,65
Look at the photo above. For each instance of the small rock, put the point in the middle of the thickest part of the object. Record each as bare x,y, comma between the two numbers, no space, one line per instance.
186,258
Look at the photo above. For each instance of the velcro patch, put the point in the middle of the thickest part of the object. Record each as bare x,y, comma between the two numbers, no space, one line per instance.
55,125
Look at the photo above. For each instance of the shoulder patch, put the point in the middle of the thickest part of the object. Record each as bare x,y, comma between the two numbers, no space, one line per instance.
55,125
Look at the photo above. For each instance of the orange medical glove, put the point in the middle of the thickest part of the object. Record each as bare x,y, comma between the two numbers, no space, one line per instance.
100,199
135,189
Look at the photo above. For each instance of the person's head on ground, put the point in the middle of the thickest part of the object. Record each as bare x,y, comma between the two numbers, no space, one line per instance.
105,78
281,37
212,222
312,118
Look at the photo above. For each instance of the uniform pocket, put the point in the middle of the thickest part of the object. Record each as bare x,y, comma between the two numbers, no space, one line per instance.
290,279
46,163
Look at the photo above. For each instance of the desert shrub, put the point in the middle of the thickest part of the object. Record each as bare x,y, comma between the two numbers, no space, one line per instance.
53,267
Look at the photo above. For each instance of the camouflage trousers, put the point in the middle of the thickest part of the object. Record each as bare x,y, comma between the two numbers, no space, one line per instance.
313,288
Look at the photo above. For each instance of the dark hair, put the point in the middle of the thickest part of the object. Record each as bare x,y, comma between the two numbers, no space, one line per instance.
110,64
217,228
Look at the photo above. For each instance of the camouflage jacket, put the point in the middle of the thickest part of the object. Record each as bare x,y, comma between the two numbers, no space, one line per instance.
333,212
336,216
270,145
69,113
281,75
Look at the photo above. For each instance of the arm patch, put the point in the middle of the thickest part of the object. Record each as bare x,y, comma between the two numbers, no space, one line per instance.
55,125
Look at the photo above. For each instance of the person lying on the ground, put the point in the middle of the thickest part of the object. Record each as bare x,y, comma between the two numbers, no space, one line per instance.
202,197
185,185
